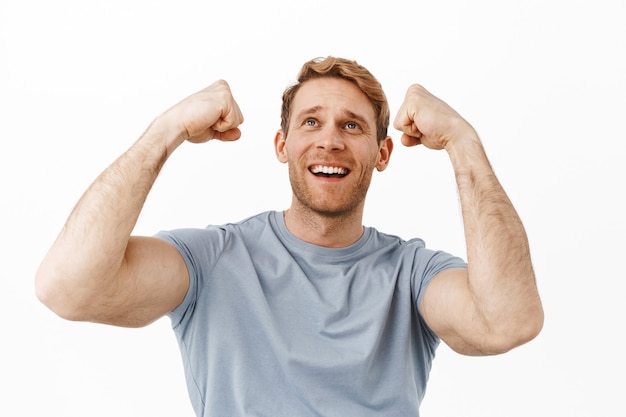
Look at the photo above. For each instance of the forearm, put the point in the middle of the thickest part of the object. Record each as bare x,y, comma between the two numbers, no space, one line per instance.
85,258
500,271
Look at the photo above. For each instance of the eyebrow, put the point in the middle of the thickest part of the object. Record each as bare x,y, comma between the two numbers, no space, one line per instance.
347,113
308,112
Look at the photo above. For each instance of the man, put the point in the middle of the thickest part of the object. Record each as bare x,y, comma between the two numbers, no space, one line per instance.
304,312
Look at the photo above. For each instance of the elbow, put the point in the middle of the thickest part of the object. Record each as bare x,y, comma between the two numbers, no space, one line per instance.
520,337
531,323
532,326
501,336
54,292
515,333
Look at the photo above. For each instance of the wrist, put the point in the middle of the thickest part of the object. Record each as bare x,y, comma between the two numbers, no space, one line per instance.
466,152
163,134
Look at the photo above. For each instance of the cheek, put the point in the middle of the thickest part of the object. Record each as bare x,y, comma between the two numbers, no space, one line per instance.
286,153
375,157
294,152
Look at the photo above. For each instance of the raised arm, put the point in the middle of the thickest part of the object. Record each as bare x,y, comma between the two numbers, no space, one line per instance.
95,270
494,305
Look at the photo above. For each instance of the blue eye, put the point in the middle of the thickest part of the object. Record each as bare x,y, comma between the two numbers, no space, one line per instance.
352,125
310,122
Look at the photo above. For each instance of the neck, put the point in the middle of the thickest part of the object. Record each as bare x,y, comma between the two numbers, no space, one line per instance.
331,231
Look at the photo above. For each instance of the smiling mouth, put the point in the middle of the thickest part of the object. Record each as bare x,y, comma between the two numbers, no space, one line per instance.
329,172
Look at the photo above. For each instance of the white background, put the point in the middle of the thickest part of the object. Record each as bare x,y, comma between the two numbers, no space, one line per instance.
544,83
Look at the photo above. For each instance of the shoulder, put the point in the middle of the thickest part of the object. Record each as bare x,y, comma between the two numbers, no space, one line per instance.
407,249
416,251
245,226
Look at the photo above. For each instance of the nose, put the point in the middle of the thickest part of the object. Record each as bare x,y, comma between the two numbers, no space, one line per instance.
330,139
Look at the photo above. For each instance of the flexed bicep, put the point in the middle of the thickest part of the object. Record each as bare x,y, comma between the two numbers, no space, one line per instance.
451,312
152,281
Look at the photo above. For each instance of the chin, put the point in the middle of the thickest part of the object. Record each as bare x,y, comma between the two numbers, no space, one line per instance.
334,210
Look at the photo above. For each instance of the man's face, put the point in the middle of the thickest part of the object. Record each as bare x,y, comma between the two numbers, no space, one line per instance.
331,148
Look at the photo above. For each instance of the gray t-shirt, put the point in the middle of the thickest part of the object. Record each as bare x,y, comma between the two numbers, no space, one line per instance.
274,326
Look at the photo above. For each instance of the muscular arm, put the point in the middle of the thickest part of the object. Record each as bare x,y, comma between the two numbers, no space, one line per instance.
95,270
494,305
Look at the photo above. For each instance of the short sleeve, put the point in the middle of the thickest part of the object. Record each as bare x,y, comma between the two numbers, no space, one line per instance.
200,248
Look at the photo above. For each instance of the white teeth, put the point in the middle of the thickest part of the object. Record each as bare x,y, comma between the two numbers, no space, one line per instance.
328,170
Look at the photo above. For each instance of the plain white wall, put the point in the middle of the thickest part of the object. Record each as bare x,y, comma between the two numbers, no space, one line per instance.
544,83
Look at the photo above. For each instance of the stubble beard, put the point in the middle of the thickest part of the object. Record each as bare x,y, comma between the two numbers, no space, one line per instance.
343,207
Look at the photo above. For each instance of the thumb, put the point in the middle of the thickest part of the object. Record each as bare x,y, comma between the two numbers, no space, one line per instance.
408,140
228,135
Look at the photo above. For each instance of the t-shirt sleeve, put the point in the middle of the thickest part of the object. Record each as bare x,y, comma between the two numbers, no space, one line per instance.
200,248
428,263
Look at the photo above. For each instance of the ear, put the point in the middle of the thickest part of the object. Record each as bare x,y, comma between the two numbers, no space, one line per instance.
384,153
280,146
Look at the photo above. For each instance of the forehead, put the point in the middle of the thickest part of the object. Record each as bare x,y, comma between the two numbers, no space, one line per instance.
332,95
